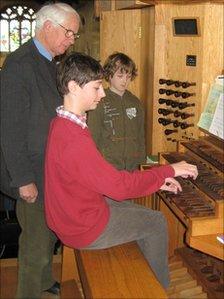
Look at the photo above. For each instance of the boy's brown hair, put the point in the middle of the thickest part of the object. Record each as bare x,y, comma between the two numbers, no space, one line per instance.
80,68
119,61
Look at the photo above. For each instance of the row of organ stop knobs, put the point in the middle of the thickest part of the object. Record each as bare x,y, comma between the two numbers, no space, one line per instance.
177,105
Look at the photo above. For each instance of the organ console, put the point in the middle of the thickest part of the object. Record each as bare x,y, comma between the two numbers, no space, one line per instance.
200,206
195,215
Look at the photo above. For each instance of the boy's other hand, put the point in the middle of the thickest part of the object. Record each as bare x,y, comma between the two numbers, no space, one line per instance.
28,192
171,185
185,170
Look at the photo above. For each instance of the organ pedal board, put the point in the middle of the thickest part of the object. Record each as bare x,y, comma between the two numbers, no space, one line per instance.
194,274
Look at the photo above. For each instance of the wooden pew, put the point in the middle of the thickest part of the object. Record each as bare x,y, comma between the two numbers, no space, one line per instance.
116,272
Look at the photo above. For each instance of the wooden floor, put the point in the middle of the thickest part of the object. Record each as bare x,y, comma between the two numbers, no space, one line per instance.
182,284
8,278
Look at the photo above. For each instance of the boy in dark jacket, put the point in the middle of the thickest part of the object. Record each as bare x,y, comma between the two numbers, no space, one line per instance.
117,124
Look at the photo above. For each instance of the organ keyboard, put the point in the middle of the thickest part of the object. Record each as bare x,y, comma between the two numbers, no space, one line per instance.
200,206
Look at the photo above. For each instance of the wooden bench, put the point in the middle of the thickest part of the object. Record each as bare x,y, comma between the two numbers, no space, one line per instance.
116,272
70,290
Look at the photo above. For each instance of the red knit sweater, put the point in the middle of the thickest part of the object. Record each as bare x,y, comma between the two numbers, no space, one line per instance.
77,177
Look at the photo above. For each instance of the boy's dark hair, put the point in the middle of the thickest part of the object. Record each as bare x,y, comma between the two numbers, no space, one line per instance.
79,67
119,61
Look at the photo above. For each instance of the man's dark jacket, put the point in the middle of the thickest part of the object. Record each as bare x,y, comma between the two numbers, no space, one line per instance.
29,97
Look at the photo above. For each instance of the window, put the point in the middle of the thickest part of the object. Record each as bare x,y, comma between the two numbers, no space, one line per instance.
17,24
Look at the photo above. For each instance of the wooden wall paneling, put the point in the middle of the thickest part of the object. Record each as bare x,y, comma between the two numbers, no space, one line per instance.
89,41
123,31
101,5
107,5
117,34
124,4
170,63
160,70
147,71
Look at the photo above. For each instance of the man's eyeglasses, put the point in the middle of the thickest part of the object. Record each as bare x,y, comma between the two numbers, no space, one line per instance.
69,33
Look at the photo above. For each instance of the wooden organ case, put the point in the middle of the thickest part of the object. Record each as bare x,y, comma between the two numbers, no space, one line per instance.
182,78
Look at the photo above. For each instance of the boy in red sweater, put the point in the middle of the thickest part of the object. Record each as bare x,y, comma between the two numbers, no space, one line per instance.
78,179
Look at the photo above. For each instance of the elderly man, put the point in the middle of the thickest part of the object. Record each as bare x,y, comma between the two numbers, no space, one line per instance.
29,97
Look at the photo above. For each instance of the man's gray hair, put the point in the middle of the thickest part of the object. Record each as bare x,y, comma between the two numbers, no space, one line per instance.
55,12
